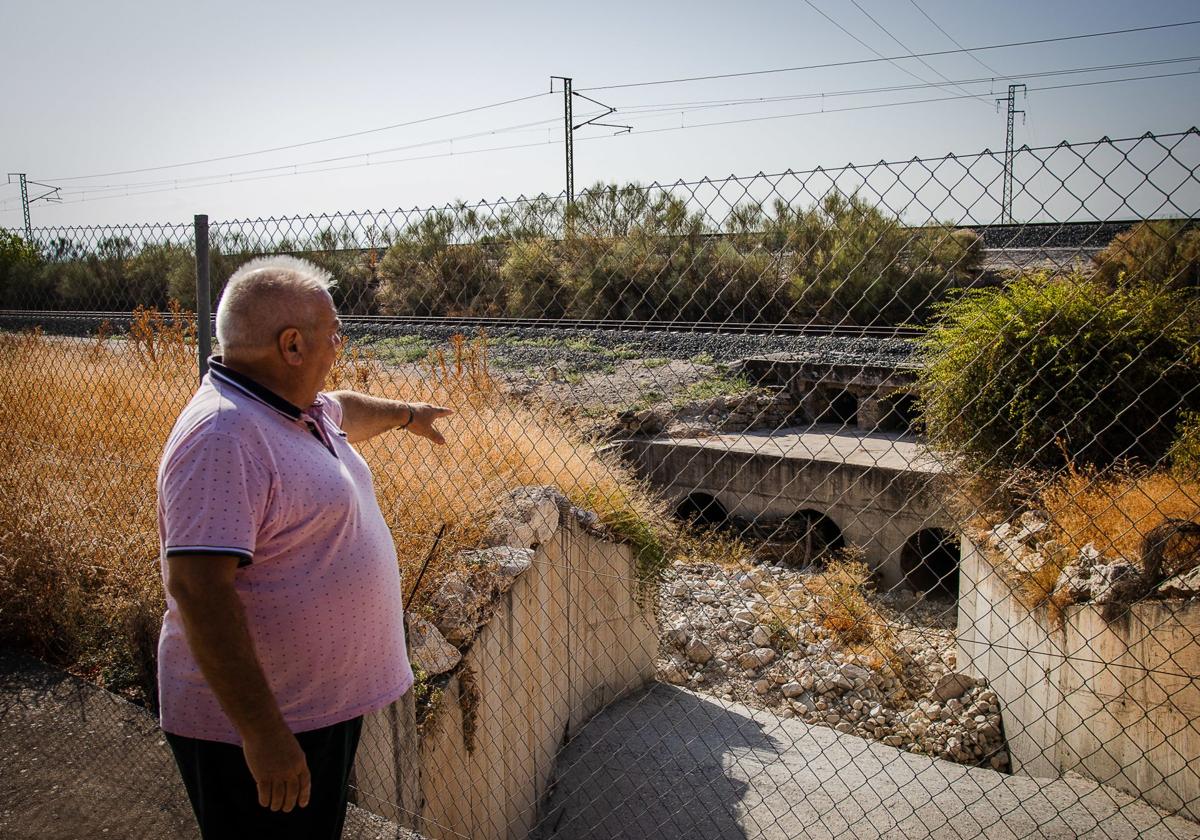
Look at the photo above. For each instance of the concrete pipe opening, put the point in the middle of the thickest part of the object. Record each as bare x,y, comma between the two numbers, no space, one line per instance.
930,562
807,537
902,414
842,410
702,510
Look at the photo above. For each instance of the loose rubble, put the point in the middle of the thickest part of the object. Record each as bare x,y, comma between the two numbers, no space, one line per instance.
465,599
753,409
716,640
1024,547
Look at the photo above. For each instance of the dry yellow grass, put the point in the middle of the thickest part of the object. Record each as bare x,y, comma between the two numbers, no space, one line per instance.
84,425
1113,510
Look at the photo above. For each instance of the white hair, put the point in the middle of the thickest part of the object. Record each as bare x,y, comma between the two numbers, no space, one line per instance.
265,296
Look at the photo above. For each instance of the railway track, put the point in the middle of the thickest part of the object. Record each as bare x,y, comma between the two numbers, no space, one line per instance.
364,324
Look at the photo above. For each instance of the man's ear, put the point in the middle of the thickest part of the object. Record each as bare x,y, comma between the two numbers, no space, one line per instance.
291,346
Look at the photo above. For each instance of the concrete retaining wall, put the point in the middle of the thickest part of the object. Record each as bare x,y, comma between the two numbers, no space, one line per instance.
566,640
1117,702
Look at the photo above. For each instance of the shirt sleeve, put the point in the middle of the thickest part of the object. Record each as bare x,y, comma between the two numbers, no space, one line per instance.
333,409
214,498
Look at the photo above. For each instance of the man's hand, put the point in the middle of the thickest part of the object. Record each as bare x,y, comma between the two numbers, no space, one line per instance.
214,622
279,769
365,416
423,415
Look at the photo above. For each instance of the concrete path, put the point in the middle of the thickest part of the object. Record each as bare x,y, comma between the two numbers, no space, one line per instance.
76,762
669,764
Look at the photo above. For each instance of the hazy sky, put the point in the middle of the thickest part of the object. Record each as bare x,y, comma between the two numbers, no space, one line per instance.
99,88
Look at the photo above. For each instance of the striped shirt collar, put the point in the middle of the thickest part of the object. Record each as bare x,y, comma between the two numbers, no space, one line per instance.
219,371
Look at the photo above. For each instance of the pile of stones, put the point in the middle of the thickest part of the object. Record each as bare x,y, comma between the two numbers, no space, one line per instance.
1023,547
719,639
760,408
463,601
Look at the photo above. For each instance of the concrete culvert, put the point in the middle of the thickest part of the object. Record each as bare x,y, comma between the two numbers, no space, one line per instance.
842,409
807,537
930,562
701,509
902,413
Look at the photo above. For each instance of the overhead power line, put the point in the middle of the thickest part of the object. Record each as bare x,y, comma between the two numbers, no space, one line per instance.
224,180
300,145
950,98
860,61
704,104
872,106
953,40
647,110
904,47
285,167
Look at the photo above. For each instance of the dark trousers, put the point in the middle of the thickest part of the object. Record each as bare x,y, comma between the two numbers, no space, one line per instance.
225,797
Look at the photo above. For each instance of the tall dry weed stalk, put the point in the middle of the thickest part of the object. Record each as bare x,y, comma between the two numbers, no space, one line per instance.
84,427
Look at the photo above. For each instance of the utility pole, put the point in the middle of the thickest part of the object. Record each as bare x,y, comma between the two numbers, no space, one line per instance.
568,136
570,126
51,195
1006,214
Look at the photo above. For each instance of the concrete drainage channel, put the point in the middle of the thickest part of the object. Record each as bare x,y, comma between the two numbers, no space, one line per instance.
676,765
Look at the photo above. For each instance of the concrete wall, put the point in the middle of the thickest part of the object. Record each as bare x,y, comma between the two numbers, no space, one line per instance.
1117,702
875,507
568,638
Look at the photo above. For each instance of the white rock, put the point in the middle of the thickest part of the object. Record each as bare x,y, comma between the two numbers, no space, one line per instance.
952,686
430,650
504,564
673,671
528,518
697,651
456,607
745,618
792,689
586,518
760,636
757,658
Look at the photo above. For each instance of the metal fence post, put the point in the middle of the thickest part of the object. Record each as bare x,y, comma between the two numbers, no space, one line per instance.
203,307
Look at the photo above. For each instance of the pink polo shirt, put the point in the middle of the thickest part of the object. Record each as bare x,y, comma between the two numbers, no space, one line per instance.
246,473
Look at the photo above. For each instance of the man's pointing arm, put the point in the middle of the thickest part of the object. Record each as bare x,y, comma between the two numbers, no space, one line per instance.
364,416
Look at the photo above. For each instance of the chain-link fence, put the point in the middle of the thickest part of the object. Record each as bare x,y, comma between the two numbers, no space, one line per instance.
799,505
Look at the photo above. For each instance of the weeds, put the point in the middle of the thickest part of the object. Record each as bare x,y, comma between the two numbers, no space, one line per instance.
715,385
84,427
1113,510
402,349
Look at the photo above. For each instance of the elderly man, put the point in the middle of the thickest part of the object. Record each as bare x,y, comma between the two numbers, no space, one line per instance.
284,624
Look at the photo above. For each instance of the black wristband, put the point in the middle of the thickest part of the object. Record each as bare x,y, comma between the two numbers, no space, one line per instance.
411,415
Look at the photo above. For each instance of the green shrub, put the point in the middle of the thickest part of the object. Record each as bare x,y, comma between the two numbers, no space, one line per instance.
1185,452
1045,371
532,275
854,265
1162,253
440,266
20,264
